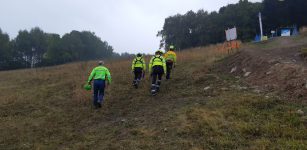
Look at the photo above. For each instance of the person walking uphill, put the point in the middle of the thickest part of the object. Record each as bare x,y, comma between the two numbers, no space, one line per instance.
99,74
157,67
171,59
138,68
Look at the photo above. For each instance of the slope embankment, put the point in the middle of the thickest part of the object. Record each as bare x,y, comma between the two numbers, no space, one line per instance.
274,66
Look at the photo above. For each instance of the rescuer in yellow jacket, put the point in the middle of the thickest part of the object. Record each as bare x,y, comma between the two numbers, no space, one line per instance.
157,67
99,74
138,68
171,60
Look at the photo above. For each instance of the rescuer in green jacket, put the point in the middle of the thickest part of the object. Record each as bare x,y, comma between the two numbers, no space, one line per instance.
157,67
99,74
138,67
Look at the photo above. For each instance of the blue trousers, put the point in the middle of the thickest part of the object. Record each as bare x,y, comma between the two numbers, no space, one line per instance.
99,86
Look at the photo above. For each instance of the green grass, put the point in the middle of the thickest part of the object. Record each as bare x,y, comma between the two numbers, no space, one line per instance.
235,121
48,109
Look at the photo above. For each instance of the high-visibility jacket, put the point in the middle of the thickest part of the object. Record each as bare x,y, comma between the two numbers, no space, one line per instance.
100,72
171,55
138,62
157,60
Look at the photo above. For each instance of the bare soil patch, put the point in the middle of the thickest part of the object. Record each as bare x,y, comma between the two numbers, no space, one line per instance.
273,66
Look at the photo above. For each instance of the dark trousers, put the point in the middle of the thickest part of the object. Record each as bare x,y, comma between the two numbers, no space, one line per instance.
99,86
138,72
169,67
157,73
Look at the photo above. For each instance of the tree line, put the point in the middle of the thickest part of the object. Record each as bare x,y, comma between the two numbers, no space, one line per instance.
202,28
35,48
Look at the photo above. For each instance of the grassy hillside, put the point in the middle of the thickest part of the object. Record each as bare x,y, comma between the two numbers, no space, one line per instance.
198,109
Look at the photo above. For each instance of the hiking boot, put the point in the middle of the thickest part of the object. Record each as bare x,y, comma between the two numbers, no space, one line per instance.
136,86
99,105
157,88
153,92
96,106
153,89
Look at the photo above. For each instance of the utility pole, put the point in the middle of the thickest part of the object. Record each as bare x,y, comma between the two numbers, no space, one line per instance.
32,61
260,23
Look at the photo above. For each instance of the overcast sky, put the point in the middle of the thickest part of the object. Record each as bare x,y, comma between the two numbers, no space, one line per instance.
127,25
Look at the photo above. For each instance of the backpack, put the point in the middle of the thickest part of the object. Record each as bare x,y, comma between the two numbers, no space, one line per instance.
153,60
138,60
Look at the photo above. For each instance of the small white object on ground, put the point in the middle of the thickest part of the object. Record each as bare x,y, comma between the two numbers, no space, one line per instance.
247,74
233,69
207,88
300,112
